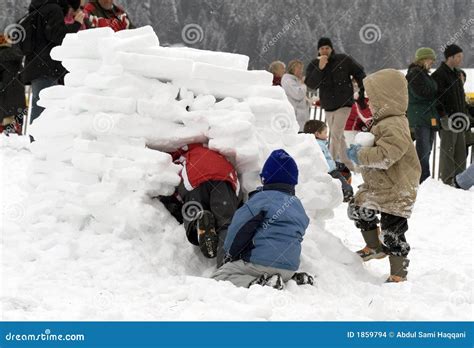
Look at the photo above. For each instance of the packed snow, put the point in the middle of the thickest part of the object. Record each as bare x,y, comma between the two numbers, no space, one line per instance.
83,237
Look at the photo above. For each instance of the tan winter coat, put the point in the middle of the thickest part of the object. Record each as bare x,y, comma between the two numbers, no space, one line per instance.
391,169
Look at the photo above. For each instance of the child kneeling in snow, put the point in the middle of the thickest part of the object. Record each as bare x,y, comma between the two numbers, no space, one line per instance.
263,243
391,172
336,169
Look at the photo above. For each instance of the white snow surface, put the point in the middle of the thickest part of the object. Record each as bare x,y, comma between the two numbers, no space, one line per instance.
55,270
83,238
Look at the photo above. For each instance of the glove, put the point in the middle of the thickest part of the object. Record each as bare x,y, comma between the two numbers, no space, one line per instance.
348,193
352,153
347,190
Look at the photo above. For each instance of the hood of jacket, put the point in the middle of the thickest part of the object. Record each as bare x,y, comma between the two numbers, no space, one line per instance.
387,91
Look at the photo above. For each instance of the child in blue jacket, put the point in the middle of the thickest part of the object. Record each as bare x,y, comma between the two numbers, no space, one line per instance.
263,243
336,169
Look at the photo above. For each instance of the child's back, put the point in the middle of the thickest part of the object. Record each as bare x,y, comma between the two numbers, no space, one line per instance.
277,240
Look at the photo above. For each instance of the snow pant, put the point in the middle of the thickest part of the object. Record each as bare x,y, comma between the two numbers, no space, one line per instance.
336,121
37,86
241,273
424,143
452,157
465,180
393,228
220,199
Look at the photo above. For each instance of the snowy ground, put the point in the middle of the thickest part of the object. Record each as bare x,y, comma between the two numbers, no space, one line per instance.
50,271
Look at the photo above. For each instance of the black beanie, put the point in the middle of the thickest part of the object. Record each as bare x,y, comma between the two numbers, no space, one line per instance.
452,50
324,41
74,4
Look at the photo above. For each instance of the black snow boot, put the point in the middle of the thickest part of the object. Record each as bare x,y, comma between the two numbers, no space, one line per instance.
275,281
207,236
303,278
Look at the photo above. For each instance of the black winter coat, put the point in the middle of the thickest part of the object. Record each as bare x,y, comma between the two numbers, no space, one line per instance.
335,80
451,98
51,32
12,90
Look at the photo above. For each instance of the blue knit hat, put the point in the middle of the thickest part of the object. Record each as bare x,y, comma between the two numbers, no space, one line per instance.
280,168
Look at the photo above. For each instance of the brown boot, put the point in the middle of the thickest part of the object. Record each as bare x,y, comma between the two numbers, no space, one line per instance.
373,249
398,269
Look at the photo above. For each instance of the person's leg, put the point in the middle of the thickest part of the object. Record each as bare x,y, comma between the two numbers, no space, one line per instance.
423,149
446,156
337,137
238,273
396,245
329,123
243,274
465,180
37,86
367,221
259,269
223,204
195,202
460,154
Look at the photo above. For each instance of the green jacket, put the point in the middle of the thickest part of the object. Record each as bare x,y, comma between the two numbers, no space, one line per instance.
422,92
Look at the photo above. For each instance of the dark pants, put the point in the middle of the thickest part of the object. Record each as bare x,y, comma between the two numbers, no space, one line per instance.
37,86
220,199
452,157
424,143
392,227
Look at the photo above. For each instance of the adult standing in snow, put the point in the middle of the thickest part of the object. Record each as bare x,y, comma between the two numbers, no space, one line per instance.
277,68
422,114
452,108
295,89
332,74
104,13
391,172
210,190
12,90
40,70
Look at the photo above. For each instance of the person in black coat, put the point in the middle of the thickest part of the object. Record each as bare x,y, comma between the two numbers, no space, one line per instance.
452,108
40,70
332,74
12,90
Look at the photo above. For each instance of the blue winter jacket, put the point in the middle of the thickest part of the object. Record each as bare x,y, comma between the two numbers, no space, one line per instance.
268,229
324,147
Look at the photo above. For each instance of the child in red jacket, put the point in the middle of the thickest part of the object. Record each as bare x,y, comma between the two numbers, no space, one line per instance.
210,191
359,120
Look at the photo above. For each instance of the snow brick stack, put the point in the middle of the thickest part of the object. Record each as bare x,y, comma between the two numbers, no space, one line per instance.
102,143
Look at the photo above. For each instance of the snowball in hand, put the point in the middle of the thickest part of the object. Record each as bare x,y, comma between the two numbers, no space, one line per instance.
365,139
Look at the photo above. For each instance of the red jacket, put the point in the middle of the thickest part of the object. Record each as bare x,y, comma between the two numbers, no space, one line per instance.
98,17
201,164
359,119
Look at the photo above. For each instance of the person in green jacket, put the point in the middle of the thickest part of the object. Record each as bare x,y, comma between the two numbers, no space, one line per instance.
422,114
